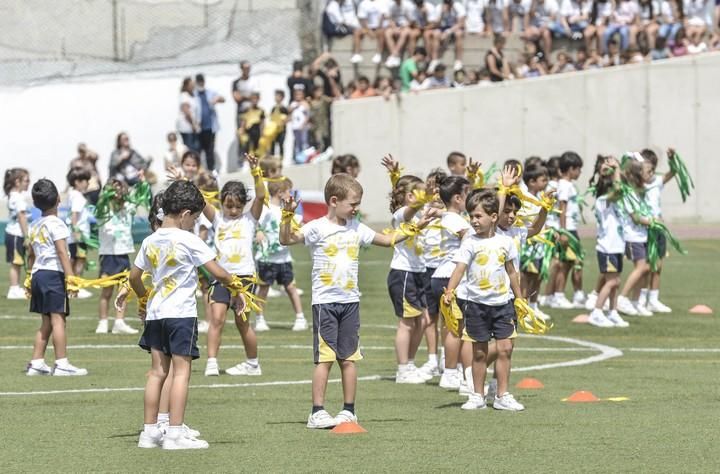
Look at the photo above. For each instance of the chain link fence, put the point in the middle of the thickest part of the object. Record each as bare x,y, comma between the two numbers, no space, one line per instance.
43,40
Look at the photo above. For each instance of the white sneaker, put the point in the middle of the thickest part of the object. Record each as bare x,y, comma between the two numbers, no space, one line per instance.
475,402
450,380
433,64
615,318
83,294
542,314
590,301
43,369
544,300
430,368
300,324
561,302
458,65
409,377
579,300
16,293
68,370
273,293
183,441
300,291
102,327
377,58
121,327
491,391
507,402
466,389
657,307
321,420
243,368
625,306
212,369
642,310
356,58
163,426
597,318
203,327
345,416
421,374
153,439
261,325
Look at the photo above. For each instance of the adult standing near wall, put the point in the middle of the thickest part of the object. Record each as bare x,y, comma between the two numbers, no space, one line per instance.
87,160
187,122
209,124
242,87
126,163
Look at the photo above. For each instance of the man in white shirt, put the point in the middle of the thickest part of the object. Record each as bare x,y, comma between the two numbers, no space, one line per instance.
371,14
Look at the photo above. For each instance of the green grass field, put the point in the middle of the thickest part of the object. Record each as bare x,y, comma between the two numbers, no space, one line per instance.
667,370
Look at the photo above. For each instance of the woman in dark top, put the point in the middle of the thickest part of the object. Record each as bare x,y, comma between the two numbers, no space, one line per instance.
495,60
126,163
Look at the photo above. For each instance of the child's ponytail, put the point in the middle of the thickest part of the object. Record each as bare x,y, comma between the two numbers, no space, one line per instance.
406,184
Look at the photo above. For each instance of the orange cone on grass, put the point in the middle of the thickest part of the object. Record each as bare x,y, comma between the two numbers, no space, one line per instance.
581,319
349,427
582,396
701,309
530,383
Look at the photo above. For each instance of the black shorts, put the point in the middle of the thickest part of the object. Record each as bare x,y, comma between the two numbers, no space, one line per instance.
77,250
484,322
433,303
176,336
14,249
220,294
407,293
610,262
438,286
49,293
282,273
114,264
336,332
661,242
635,251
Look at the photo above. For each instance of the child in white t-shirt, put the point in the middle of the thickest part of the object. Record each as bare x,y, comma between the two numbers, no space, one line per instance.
171,255
371,15
79,222
50,266
335,242
15,185
300,120
273,260
234,230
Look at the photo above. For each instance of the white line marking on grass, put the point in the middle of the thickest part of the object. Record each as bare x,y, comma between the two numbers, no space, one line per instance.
606,352
672,349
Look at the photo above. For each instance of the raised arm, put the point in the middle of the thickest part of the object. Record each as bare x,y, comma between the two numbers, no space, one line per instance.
256,171
288,236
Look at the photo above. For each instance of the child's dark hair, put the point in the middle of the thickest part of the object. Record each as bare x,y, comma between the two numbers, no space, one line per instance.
406,184
113,182
601,183
190,155
553,167
451,186
182,196
44,194
341,163
649,155
276,187
487,198
12,175
533,161
568,160
512,162
280,92
234,189
455,157
205,181
157,203
433,179
514,201
77,174
534,172
340,186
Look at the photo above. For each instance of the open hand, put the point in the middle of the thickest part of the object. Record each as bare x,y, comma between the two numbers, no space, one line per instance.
389,163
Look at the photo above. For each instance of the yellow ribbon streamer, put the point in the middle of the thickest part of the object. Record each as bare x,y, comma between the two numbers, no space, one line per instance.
75,283
528,319
451,314
477,179
211,197
288,217
395,175
421,198
243,286
405,228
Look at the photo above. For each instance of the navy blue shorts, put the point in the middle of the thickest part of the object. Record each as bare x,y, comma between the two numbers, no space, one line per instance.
336,332
114,264
407,293
635,251
282,273
48,293
437,290
176,336
484,322
610,262
433,303
77,250
14,249
220,294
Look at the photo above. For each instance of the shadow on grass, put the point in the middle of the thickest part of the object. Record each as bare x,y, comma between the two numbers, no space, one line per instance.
449,405
125,435
363,421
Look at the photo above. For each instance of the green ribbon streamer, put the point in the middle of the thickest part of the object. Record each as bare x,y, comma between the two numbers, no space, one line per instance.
682,175
140,195
573,244
655,229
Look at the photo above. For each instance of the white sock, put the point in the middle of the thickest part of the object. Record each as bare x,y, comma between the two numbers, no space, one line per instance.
653,296
593,293
433,358
151,428
534,305
37,362
411,363
212,359
62,362
174,431
578,295
254,362
450,371
613,312
459,367
163,418
259,316
442,353
403,368
558,295
643,295
468,375
300,316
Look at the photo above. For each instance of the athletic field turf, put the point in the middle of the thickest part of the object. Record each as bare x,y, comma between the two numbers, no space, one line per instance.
666,365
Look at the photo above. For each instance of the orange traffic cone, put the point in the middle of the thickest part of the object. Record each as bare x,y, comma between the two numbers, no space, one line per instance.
530,383
701,309
348,428
581,319
582,396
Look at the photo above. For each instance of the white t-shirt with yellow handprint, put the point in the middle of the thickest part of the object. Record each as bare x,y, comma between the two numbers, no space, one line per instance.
487,280
171,256
42,235
408,254
335,250
234,243
452,225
